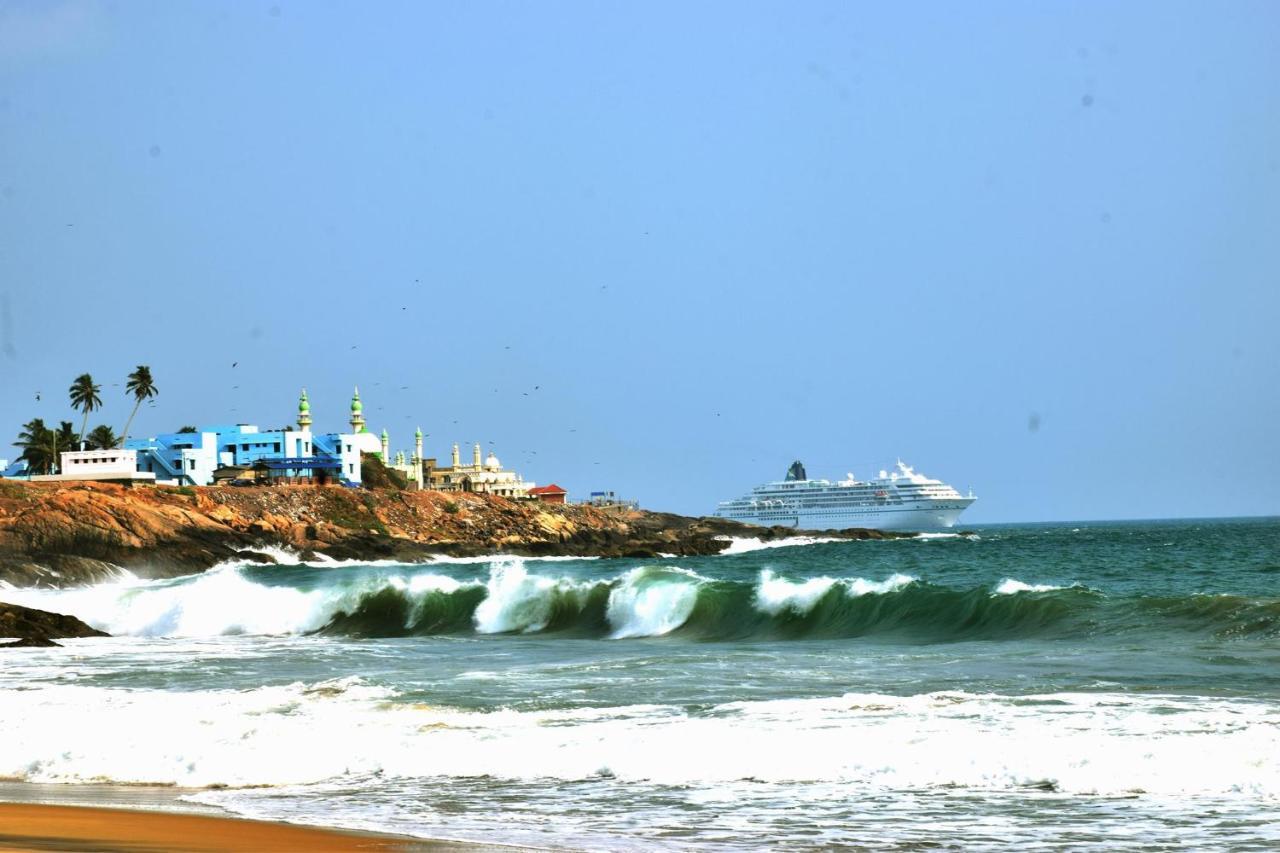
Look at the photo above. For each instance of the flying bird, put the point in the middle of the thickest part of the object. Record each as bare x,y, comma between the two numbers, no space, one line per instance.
234,363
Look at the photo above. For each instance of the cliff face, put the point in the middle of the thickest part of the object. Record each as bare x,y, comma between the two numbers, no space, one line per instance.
66,534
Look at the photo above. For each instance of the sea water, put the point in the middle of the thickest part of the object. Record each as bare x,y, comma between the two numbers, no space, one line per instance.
1090,683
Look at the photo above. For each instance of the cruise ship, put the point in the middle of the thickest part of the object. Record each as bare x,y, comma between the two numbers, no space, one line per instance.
901,500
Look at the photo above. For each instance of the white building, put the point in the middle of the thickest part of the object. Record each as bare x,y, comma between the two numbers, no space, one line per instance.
115,465
486,477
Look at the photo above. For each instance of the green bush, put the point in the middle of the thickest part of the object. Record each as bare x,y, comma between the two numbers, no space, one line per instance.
374,474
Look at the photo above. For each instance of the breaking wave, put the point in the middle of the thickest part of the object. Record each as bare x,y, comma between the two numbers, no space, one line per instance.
1105,743
649,601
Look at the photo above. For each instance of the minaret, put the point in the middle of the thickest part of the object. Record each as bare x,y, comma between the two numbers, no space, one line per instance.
357,413
304,412
457,459
386,447
417,456
475,456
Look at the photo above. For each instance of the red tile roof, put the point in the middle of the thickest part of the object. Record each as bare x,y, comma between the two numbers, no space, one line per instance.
552,489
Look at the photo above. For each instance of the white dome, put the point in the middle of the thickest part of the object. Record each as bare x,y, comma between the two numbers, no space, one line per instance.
367,442
492,462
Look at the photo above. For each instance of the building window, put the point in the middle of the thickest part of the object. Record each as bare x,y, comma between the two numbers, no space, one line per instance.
276,446
245,448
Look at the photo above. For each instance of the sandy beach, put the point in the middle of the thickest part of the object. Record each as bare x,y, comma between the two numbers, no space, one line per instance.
30,826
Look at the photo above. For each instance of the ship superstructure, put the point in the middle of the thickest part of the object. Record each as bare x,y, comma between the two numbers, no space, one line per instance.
899,500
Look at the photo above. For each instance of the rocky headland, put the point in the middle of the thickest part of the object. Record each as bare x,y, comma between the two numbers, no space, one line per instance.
74,534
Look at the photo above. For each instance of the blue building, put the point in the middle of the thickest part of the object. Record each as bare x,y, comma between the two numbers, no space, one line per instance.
190,458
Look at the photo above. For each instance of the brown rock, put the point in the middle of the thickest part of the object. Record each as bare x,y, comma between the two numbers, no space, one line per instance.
39,627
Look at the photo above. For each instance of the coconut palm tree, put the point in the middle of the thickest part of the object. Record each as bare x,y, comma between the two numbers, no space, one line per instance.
42,447
142,388
34,441
84,396
63,439
103,437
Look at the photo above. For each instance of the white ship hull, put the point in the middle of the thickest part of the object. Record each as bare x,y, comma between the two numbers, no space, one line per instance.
913,518
903,500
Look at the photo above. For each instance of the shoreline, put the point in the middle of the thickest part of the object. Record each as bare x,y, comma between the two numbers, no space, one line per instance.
78,533
104,817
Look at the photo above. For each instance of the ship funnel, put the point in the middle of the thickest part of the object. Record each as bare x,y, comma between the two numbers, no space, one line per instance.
796,471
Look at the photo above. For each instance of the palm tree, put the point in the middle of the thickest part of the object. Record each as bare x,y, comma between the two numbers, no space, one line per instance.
142,388
103,437
63,439
34,441
42,447
84,396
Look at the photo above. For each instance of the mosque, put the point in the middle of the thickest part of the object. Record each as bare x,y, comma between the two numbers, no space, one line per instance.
486,477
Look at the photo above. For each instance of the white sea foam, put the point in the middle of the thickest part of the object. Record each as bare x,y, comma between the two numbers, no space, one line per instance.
652,602
1105,743
225,601
1010,586
775,594
519,601
286,556
220,601
739,545
499,558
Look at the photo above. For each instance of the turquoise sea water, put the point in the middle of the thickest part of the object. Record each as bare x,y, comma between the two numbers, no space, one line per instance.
1088,683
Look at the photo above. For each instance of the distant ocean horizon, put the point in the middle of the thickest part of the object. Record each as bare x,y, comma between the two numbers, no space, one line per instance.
1057,683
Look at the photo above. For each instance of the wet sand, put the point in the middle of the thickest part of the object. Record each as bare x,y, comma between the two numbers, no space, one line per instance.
27,826
104,817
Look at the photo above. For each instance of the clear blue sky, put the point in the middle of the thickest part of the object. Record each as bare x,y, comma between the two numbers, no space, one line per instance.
703,239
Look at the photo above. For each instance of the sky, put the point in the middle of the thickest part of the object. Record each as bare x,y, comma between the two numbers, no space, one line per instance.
668,248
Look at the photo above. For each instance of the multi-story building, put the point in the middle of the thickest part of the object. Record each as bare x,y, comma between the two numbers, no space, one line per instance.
296,454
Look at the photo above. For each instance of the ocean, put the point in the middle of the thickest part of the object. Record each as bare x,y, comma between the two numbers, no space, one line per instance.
1087,684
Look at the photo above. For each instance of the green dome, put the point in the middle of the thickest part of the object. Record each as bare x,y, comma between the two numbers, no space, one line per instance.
356,405
417,433
303,405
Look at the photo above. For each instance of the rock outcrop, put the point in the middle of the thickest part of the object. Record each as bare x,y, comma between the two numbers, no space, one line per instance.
34,627
70,534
